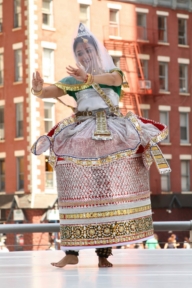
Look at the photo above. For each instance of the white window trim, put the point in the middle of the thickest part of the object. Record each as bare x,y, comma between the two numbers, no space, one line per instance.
163,58
2,102
167,156
17,46
144,56
116,53
84,2
50,100
183,16
1,50
145,106
114,6
19,153
18,99
51,79
185,157
184,109
164,108
2,155
49,45
141,10
183,61
162,13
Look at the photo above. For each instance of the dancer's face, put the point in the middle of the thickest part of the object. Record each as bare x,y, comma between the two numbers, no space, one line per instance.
85,54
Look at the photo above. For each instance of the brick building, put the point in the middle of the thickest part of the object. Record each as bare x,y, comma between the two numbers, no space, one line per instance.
149,40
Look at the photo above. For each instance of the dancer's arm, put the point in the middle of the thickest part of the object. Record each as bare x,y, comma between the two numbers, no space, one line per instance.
111,79
44,92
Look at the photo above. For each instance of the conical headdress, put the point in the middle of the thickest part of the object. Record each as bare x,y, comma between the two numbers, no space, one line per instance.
82,31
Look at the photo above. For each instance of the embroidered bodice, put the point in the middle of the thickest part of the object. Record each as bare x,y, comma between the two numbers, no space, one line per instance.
89,99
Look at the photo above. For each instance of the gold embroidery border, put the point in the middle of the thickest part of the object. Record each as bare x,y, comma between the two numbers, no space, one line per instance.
104,214
84,203
101,161
112,241
71,87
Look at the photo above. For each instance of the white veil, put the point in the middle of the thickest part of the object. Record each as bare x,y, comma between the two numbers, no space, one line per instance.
95,61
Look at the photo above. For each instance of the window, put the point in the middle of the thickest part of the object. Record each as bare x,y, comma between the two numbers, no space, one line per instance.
113,22
1,15
47,13
145,113
48,116
116,61
182,31
185,175
49,176
48,64
19,119
141,26
184,127
144,67
18,65
164,119
183,78
84,14
2,174
163,76
1,69
20,173
166,181
162,28
2,126
17,14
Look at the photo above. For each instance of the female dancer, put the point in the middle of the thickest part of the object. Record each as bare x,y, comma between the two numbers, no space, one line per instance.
101,157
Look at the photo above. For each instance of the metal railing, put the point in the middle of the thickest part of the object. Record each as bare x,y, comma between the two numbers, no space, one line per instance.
49,227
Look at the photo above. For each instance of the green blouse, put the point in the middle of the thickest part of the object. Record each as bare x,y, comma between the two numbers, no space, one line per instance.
70,85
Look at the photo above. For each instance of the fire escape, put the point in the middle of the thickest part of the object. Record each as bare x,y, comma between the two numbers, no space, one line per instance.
131,46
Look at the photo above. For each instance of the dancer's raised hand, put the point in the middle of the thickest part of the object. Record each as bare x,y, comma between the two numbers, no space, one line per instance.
37,82
78,73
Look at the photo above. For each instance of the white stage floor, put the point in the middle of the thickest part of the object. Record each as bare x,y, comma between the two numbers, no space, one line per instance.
133,268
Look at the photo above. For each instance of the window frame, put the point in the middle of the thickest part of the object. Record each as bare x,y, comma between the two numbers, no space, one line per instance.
1,16
2,107
114,25
1,69
167,178
87,21
49,13
50,77
184,37
167,123
184,79
52,119
144,66
17,15
143,31
182,141
166,77
18,65
188,180
19,174
2,187
165,40
19,114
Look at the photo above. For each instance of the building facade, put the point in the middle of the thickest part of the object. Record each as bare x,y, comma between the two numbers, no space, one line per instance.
149,40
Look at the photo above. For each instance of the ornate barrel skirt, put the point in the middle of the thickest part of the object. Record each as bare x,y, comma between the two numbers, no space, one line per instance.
103,205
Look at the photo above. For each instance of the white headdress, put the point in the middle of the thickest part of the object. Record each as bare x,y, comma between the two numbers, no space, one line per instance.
95,60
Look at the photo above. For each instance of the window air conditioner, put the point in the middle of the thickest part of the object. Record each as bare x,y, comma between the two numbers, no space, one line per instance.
145,84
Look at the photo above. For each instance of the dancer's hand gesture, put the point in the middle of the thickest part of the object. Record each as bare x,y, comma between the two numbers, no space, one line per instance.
78,73
37,82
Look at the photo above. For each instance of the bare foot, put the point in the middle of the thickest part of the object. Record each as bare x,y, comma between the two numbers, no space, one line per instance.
68,259
103,262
